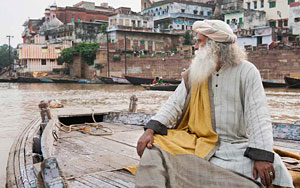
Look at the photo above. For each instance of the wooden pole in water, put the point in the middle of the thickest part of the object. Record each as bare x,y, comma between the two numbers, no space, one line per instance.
125,54
107,44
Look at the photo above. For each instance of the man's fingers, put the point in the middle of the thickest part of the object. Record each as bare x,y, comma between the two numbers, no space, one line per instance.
254,173
273,171
267,178
140,148
262,177
149,145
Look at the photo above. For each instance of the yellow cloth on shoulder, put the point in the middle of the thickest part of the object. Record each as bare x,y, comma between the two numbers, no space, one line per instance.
194,134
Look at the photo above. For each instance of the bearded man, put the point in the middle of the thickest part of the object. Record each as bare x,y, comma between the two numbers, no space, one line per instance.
215,130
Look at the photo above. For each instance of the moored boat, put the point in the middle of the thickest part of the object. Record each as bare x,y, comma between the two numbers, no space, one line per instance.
119,80
140,80
292,82
62,80
271,84
160,87
106,80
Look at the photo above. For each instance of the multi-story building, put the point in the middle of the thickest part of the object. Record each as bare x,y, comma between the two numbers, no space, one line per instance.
148,3
294,18
277,11
39,57
250,26
84,12
177,14
139,33
31,28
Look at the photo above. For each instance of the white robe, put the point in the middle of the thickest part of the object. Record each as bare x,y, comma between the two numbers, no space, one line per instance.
241,117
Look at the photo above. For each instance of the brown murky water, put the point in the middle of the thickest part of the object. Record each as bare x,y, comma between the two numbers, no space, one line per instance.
18,105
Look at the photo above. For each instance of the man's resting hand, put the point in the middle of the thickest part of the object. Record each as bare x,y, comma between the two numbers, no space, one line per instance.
145,140
265,170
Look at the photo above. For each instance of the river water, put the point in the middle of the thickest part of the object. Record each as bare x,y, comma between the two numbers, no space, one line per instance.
19,105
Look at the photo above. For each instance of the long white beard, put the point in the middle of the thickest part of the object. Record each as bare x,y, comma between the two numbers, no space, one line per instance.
203,65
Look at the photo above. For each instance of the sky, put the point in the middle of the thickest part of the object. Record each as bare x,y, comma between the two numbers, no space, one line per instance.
13,13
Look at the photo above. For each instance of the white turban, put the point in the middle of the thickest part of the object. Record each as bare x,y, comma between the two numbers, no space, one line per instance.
216,30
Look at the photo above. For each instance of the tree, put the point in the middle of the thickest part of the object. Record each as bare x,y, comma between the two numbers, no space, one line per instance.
86,51
187,38
4,49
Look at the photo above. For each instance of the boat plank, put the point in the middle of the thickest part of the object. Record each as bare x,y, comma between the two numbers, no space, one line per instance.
32,176
125,181
94,182
77,184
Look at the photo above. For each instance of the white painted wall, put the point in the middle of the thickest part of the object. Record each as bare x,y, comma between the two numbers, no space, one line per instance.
295,26
271,13
243,41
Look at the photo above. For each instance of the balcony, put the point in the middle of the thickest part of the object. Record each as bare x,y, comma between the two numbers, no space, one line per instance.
179,15
128,28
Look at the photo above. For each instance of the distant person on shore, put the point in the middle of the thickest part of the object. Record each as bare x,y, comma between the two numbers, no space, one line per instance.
215,130
155,81
160,80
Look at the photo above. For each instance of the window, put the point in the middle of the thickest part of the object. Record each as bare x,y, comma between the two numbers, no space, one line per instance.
182,10
262,3
272,23
272,4
78,20
248,5
142,42
44,62
195,11
291,1
201,13
255,4
285,22
228,21
279,23
208,13
240,20
149,43
297,20
72,20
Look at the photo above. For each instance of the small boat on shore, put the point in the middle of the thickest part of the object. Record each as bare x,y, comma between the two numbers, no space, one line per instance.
140,80
272,84
119,80
91,148
63,80
292,82
160,87
106,80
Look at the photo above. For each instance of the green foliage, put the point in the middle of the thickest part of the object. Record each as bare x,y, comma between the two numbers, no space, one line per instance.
163,55
128,55
143,56
103,28
86,51
187,38
99,66
4,49
188,57
153,55
117,58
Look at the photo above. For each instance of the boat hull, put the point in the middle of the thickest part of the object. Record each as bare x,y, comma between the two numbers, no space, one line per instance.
292,82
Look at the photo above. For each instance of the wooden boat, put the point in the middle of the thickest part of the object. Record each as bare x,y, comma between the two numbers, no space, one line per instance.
45,80
106,80
292,82
22,79
119,80
160,87
271,84
139,80
45,154
62,80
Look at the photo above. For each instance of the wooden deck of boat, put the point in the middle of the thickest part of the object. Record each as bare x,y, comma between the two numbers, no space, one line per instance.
96,161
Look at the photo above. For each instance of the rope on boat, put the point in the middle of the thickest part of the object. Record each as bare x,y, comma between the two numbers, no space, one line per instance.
86,128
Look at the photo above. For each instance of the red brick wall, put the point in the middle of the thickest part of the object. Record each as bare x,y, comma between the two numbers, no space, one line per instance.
65,15
273,65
